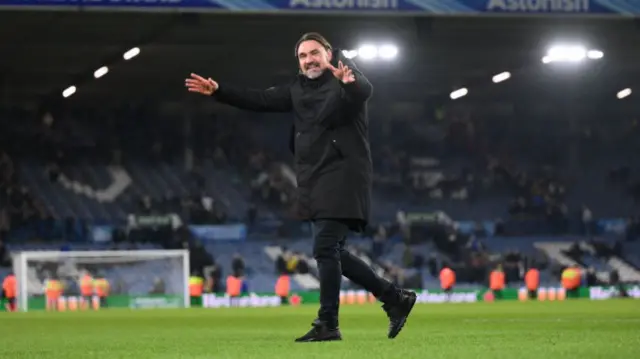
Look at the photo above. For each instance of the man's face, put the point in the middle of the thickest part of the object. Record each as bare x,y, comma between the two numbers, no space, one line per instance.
313,58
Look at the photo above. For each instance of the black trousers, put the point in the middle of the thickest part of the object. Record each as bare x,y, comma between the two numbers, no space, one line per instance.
334,262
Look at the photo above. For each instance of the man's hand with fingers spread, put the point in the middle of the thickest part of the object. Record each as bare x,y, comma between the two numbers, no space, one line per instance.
201,85
342,73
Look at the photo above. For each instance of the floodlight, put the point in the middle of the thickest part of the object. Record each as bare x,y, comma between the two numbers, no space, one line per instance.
623,93
350,54
131,53
388,52
571,54
459,93
595,54
503,76
368,52
101,72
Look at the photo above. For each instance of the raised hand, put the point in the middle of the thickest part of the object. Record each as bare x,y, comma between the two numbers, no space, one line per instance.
342,73
201,85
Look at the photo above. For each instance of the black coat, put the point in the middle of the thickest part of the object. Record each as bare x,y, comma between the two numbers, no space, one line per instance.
329,140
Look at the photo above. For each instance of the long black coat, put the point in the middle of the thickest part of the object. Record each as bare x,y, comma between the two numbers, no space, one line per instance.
329,140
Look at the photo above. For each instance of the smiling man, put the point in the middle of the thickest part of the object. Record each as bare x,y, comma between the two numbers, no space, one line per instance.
333,168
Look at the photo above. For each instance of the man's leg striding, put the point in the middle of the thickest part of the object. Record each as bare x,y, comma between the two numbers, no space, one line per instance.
326,250
397,303
363,275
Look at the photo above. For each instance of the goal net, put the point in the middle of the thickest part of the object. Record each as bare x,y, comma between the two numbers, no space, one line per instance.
93,280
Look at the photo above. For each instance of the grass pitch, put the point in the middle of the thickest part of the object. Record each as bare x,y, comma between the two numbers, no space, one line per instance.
548,330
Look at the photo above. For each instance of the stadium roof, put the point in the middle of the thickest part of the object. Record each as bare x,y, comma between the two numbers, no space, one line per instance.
44,52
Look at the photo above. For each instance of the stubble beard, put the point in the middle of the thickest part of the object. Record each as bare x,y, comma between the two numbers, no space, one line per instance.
313,73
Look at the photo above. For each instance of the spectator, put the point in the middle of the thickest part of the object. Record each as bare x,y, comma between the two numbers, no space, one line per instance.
5,260
303,265
237,266
586,221
4,224
379,242
591,278
281,263
214,279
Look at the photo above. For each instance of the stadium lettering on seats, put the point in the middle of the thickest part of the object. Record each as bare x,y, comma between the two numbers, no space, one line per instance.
427,296
538,5
599,293
253,300
345,4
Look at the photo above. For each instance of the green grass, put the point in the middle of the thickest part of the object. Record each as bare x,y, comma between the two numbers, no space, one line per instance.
548,330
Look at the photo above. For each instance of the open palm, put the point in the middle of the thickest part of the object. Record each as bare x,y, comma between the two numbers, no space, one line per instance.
342,73
201,85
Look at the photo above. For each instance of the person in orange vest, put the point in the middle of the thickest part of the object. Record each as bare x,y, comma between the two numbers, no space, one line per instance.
86,289
447,279
196,287
571,281
497,281
532,281
53,290
283,285
102,291
10,292
234,287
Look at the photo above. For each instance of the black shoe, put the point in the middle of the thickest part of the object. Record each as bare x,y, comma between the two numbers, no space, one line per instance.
399,312
320,332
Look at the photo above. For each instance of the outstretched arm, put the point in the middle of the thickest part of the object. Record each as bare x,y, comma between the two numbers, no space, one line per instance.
274,99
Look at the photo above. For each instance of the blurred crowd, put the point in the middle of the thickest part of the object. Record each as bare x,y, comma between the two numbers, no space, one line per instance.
17,206
457,156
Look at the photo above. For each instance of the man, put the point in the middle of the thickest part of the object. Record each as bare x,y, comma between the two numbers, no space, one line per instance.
86,284
10,292
497,281
333,168
532,281
196,287
237,265
447,280
571,278
102,290
53,289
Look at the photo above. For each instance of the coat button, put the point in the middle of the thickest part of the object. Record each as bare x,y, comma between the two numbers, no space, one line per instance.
334,141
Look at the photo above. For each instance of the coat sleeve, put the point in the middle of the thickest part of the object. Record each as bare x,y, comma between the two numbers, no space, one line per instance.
361,89
273,99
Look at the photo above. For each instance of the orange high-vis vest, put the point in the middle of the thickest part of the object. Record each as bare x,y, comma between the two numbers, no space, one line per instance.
196,285
86,286
283,285
102,287
447,278
234,286
10,286
532,279
496,280
53,289
570,278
